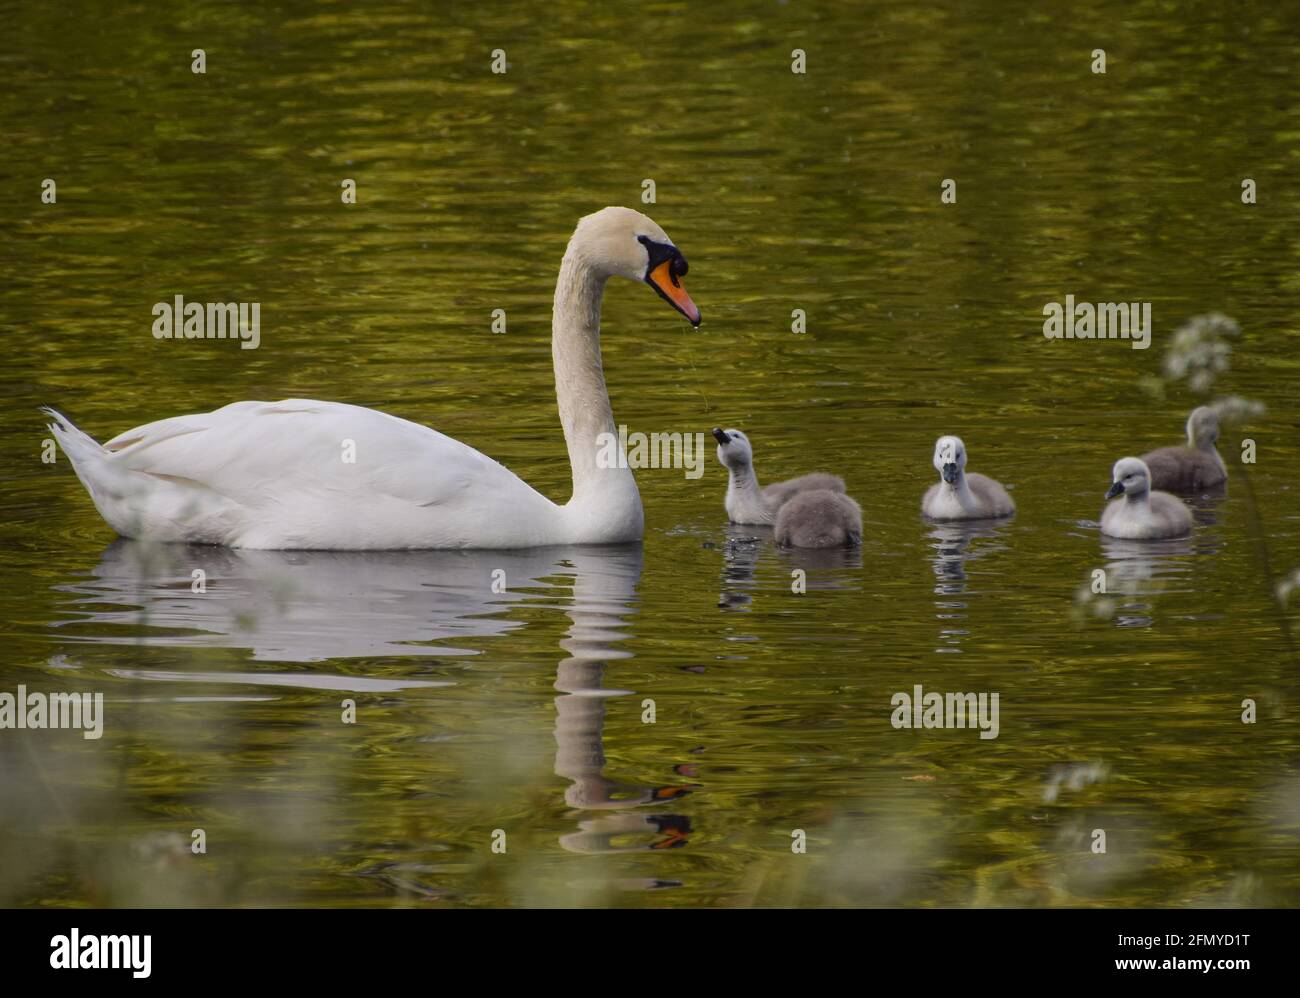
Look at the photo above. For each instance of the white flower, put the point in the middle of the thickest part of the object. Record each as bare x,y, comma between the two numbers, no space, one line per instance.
1200,350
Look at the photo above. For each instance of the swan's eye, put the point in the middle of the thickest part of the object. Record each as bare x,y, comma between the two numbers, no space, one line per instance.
661,253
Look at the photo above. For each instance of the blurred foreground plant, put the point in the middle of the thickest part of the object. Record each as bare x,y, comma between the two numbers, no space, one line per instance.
1201,350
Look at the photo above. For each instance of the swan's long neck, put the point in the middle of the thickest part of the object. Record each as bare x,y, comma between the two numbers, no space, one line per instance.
744,495
583,398
961,488
1207,446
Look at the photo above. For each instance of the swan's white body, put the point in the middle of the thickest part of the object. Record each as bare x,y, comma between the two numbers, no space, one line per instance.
325,475
273,475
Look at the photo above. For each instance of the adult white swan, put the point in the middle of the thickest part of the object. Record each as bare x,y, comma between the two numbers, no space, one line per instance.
272,474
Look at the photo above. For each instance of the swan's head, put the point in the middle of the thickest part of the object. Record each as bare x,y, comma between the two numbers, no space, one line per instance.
733,448
1131,477
1203,427
949,458
624,243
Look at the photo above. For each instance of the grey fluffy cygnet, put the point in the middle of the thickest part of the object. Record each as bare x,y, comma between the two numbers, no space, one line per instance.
819,519
811,511
962,496
1195,467
747,502
1142,515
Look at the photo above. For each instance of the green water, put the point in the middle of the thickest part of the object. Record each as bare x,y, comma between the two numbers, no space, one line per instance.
522,711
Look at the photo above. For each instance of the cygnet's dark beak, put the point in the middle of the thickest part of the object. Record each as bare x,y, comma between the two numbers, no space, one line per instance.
949,472
721,436
1116,489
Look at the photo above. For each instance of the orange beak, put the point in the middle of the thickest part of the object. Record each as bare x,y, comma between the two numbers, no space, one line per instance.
670,289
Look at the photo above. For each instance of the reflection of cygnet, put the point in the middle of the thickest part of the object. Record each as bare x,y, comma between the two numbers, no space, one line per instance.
962,496
1142,514
1192,468
747,502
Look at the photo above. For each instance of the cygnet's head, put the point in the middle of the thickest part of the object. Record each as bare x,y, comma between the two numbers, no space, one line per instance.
1202,426
1131,477
733,449
625,243
949,458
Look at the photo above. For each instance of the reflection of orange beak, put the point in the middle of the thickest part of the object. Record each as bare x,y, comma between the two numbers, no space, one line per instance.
663,280
674,840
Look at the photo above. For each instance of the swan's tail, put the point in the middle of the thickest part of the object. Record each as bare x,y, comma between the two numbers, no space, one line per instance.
89,459
78,445
128,499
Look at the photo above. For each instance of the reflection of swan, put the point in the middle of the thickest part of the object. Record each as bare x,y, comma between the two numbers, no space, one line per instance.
824,561
742,546
953,548
602,593
596,835
1130,563
746,549
1140,569
304,606
309,606
304,474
